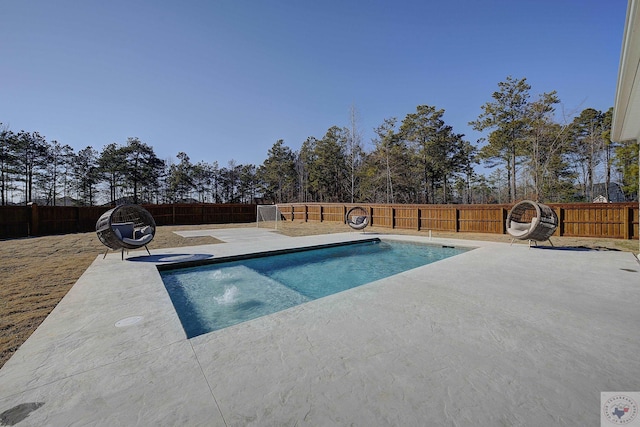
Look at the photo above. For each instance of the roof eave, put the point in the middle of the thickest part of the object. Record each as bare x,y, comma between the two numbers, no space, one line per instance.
626,113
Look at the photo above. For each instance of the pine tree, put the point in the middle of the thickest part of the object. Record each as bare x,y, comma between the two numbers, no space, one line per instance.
87,175
507,117
277,174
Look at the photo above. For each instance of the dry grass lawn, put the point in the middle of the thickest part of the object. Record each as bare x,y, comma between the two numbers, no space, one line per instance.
37,272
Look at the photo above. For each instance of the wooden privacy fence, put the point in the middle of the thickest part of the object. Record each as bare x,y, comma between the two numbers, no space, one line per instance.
34,220
611,220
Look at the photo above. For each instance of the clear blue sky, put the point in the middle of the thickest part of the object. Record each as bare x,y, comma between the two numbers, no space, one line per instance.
224,79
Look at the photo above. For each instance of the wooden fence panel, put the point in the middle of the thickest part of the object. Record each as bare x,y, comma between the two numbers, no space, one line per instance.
314,213
299,213
382,216
596,220
438,218
56,220
333,213
186,214
485,219
228,214
406,217
14,221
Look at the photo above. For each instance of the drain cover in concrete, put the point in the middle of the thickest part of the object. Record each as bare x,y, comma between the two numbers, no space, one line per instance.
128,321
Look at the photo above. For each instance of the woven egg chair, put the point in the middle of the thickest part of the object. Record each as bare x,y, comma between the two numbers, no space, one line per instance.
357,218
532,221
126,227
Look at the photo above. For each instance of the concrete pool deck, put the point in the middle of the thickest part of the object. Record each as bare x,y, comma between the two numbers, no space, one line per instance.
500,335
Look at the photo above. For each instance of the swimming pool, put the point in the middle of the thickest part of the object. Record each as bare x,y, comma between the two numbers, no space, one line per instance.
222,294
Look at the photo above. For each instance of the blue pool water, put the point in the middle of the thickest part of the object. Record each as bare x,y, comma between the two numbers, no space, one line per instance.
212,297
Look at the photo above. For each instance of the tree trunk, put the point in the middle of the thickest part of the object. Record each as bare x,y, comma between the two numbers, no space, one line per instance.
513,177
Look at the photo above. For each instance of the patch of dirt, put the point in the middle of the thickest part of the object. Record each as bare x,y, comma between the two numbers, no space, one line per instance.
37,272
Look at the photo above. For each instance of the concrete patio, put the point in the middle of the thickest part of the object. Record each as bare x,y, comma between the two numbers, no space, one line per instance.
500,335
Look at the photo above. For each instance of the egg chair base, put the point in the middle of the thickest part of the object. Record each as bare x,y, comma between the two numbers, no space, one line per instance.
532,242
126,227
122,251
357,218
532,221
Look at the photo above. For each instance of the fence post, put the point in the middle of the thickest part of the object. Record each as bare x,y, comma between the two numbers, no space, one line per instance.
418,218
560,230
505,213
627,219
393,218
34,220
457,219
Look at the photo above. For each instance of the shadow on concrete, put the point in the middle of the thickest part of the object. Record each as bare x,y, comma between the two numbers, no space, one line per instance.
575,248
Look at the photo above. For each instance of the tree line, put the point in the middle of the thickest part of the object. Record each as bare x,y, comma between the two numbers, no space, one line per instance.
419,159
49,172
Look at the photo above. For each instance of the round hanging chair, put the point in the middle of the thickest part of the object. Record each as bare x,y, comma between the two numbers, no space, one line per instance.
357,218
126,227
532,221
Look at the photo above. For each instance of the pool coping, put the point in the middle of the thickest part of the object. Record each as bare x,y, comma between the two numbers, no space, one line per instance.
353,357
259,254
